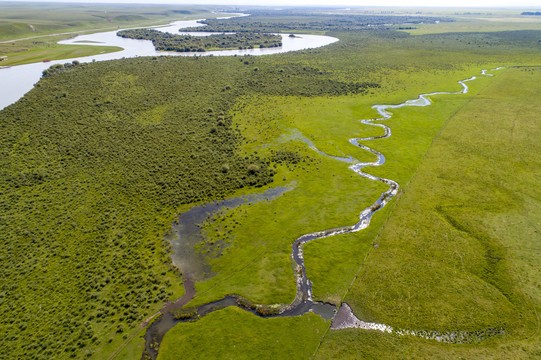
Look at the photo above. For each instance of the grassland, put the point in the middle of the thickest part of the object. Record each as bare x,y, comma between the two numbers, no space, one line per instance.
480,22
461,248
19,21
29,32
98,160
55,52
242,335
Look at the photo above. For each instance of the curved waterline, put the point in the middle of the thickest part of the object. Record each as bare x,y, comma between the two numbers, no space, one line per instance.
344,318
18,80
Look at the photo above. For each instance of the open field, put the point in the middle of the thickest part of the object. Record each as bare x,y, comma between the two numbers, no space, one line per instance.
19,21
99,159
480,24
40,53
235,334
460,250
30,32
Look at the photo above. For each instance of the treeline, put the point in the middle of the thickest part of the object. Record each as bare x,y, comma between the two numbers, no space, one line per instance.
536,13
188,43
293,21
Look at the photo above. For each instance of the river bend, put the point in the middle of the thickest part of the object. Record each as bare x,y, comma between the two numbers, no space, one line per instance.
18,80
343,318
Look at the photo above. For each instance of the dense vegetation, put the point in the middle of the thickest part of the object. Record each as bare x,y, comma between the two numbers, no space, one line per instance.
302,21
89,190
189,43
98,160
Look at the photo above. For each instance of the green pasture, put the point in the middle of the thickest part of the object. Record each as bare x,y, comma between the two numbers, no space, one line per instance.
472,23
99,159
460,250
232,333
19,21
57,52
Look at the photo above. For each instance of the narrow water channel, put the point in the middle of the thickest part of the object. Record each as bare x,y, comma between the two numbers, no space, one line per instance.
303,302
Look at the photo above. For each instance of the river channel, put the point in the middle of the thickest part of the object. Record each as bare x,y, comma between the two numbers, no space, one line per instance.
18,80
343,317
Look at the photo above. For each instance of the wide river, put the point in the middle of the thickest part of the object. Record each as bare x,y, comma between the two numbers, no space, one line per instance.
15,81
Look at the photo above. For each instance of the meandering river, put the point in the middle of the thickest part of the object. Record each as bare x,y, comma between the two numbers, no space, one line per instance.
303,302
18,80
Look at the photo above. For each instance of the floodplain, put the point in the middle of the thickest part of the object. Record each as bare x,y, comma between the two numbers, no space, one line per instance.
99,160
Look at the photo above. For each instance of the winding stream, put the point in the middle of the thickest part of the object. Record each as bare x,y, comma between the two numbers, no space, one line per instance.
303,302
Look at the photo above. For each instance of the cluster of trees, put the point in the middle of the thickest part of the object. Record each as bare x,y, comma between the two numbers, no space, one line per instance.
188,43
60,68
289,21
96,162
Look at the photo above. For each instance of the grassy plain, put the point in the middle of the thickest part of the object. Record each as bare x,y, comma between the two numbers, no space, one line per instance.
19,21
89,190
55,52
461,248
480,23
232,333
30,32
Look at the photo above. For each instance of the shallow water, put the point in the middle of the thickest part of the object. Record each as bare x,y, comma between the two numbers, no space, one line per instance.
186,232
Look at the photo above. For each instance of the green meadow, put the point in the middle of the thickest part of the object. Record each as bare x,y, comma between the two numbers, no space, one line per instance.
99,159
30,32
232,333
55,52
461,248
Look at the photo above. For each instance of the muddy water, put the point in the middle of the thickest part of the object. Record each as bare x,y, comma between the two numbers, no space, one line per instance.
186,232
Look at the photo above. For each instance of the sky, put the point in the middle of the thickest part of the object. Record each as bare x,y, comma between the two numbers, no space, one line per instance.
333,3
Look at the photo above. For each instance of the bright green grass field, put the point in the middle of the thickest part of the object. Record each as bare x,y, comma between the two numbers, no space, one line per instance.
461,250
326,195
232,333
55,52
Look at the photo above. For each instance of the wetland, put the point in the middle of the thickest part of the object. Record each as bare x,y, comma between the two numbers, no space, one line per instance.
293,205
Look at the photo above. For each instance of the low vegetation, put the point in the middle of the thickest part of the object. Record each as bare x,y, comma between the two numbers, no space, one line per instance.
99,159
460,250
26,20
232,333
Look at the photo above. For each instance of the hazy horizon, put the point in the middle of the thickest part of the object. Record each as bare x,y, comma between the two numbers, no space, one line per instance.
485,4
